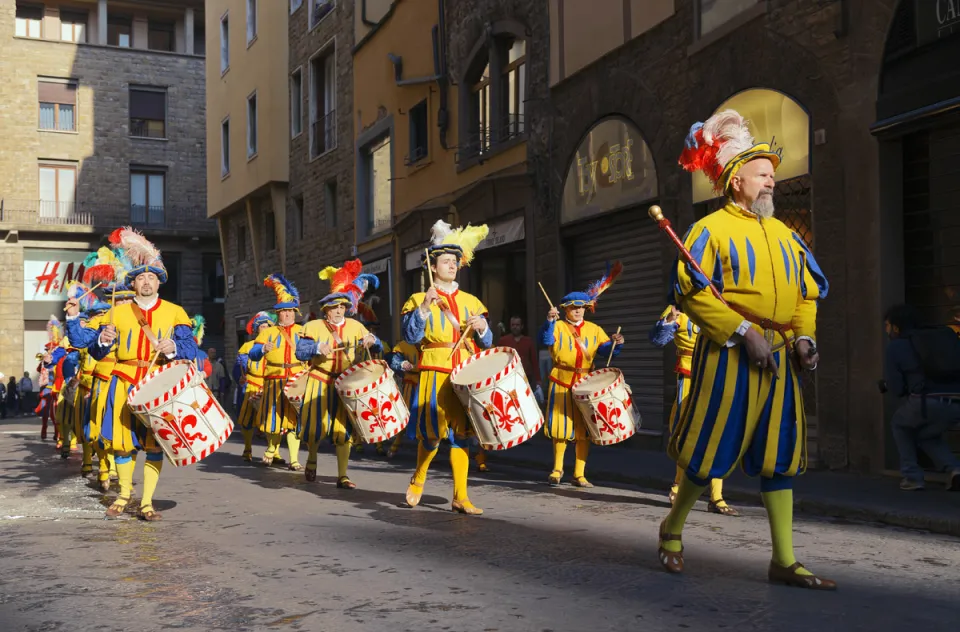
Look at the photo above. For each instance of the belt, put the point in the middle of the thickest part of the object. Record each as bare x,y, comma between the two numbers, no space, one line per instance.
685,354
767,325
572,369
137,363
439,345
324,376
285,366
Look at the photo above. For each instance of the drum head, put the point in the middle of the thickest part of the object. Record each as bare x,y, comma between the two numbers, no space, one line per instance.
159,383
297,385
361,377
482,367
596,381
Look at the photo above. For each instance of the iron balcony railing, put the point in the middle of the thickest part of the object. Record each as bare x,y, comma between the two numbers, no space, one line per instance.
324,135
43,212
485,139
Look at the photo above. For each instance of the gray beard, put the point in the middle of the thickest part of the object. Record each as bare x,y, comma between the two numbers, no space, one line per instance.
763,206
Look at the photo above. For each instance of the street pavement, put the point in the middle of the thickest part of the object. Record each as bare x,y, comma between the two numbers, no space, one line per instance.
243,547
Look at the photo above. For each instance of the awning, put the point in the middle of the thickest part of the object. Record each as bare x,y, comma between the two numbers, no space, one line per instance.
914,116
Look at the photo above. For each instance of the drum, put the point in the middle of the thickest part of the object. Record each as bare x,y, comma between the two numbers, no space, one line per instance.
372,399
295,389
176,404
495,393
606,403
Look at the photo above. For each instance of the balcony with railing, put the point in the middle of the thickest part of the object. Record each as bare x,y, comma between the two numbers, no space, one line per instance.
481,142
25,214
324,134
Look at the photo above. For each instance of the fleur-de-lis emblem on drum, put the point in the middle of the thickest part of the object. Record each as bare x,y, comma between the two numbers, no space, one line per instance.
503,411
378,412
608,418
176,431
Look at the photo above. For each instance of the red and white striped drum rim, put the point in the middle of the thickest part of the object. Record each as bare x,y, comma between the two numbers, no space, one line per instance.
603,391
366,388
162,398
515,441
210,449
511,366
288,387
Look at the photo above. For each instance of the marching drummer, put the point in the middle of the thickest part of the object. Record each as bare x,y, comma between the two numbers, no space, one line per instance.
368,318
330,346
248,373
574,343
439,318
404,360
159,329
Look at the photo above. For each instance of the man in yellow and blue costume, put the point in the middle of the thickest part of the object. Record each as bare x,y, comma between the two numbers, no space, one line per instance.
745,405
248,374
436,320
276,346
574,344
404,360
674,326
331,345
137,332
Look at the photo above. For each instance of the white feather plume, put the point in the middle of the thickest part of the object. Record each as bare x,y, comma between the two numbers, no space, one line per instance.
440,231
729,130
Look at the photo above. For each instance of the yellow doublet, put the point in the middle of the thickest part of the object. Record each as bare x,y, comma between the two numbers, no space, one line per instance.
134,353
254,386
763,271
435,408
81,402
100,386
280,364
684,340
410,353
573,351
322,415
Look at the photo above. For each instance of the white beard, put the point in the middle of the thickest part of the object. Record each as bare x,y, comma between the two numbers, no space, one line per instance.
763,206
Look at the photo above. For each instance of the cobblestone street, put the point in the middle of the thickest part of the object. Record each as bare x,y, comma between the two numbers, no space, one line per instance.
246,548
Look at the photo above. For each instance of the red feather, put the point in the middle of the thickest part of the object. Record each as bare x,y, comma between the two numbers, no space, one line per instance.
250,325
345,276
115,237
102,273
702,158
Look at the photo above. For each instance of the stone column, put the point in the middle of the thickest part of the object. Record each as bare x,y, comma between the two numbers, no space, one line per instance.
102,22
188,35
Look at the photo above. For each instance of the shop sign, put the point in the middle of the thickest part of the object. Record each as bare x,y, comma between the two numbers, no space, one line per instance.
411,259
612,169
503,233
47,272
376,267
937,19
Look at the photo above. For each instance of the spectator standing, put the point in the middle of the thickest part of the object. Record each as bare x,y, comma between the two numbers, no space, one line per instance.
217,380
26,395
527,350
13,396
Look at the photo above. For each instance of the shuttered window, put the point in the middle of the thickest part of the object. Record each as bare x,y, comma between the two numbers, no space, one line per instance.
148,112
58,105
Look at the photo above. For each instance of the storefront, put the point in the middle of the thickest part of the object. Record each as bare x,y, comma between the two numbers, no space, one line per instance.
611,180
382,299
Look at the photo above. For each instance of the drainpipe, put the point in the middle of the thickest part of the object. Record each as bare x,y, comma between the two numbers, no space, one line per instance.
443,80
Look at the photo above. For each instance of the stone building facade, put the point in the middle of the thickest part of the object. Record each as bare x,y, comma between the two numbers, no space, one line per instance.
100,156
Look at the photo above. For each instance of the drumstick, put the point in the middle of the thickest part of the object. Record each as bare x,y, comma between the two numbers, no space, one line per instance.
612,347
157,354
466,334
429,271
88,291
113,302
549,302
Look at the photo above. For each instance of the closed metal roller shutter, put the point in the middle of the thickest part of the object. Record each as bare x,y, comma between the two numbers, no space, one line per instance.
634,302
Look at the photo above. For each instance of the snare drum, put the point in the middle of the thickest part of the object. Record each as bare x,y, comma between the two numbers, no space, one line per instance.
605,401
175,403
497,397
295,389
372,399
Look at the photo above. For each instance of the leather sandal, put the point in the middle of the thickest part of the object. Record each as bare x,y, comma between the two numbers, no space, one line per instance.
267,460
247,456
672,561
105,485
310,474
149,514
465,507
581,481
554,478
414,493
723,510
345,483
116,510
295,467
788,575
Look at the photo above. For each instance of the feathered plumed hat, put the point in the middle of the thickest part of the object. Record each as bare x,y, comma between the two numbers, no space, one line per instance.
347,285
287,295
54,332
110,268
198,324
90,303
259,319
366,313
445,240
589,298
142,254
720,146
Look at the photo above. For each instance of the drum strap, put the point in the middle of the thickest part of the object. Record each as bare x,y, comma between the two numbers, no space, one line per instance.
439,345
286,338
144,325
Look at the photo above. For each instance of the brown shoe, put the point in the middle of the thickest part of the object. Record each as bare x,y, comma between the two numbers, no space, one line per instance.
581,481
149,514
555,477
723,509
466,507
116,510
672,561
789,576
310,475
414,493
345,483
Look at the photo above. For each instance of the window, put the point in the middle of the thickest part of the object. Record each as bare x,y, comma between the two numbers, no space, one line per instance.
296,103
251,21
419,117
378,190
323,102
119,31
58,191
241,243
73,26
160,35
199,39
224,44
330,202
298,231
29,21
148,112
58,104
714,13
320,9
225,148
294,5
146,197
513,91
270,221
214,286
478,140
252,125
